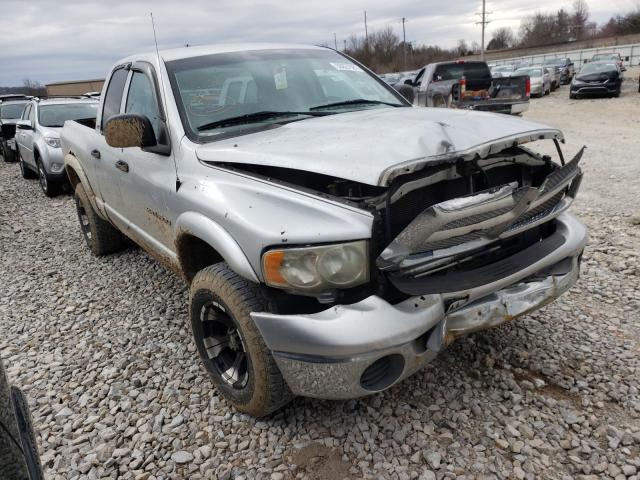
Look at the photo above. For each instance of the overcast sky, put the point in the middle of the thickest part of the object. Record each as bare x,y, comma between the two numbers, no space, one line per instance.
61,40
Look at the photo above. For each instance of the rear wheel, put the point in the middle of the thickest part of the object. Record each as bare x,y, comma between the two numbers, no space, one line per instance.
8,154
25,170
101,237
231,348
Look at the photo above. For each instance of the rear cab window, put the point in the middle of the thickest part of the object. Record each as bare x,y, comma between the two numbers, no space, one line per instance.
455,71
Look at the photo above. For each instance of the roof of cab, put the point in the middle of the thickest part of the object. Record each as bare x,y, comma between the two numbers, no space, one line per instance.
198,51
66,100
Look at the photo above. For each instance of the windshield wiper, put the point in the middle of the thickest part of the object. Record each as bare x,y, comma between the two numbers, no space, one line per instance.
256,117
356,101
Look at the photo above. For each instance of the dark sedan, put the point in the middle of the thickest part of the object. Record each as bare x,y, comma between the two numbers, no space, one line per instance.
597,79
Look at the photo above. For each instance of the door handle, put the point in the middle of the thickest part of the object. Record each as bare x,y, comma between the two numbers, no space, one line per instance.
124,166
95,153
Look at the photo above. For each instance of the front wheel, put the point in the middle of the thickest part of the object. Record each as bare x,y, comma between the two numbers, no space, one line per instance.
230,346
49,187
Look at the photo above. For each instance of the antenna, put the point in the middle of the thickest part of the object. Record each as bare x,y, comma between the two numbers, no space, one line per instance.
164,98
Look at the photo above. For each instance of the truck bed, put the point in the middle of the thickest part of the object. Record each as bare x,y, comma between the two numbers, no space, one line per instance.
76,135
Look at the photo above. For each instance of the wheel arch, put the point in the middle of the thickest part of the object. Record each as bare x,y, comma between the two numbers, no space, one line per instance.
201,242
76,175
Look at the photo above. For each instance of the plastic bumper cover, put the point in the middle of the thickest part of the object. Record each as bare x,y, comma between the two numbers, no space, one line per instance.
325,354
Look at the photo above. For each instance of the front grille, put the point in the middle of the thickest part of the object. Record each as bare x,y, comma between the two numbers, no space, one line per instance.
463,222
481,227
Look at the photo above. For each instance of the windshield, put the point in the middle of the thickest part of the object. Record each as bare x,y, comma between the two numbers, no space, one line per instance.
598,68
56,115
11,110
532,72
213,88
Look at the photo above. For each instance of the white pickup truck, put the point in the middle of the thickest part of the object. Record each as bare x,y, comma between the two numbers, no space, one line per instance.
334,238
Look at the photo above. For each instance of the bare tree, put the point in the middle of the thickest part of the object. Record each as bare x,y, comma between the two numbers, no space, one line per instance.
501,38
462,49
579,19
33,87
384,52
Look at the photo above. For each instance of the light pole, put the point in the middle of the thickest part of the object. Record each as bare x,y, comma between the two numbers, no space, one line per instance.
484,23
404,44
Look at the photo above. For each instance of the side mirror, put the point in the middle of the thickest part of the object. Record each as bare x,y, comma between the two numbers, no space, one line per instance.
409,82
24,125
129,130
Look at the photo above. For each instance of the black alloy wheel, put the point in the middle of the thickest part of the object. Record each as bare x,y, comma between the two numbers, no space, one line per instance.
224,345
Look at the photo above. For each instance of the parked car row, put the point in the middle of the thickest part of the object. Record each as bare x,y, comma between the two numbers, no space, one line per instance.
31,135
602,75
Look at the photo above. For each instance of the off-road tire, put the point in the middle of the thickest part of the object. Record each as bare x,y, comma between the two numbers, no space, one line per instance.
25,170
104,238
265,390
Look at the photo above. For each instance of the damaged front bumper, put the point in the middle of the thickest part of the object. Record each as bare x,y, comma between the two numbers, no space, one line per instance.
354,350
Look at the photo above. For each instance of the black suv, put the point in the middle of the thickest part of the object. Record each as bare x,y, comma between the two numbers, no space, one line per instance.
11,107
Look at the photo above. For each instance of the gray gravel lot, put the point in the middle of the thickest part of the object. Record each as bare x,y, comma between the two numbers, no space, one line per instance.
116,391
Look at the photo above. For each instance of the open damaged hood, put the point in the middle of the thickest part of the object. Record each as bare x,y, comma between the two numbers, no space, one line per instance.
374,146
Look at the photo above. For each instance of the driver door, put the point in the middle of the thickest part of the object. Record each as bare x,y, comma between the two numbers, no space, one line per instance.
147,177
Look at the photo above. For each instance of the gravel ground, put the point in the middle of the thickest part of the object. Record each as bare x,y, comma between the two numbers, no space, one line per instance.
116,391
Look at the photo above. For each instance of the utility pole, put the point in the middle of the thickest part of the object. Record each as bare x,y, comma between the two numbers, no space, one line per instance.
366,32
404,44
335,40
345,45
484,23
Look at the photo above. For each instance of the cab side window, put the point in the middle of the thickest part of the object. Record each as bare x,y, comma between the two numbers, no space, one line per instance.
113,98
25,114
142,100
32,114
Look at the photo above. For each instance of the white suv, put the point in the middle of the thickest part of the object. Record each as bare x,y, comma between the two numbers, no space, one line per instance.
38,138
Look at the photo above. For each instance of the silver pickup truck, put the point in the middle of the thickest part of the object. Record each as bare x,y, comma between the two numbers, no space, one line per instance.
469,85
334,238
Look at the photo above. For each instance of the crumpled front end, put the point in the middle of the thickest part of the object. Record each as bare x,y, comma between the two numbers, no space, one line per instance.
459,248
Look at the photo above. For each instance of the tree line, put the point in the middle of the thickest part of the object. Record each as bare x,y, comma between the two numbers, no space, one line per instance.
29,87
384,51
547,28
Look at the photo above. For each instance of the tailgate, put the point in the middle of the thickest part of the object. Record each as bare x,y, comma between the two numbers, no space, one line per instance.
504,93
509,88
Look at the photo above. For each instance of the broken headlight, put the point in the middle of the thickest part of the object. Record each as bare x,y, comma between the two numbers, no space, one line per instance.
317,268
